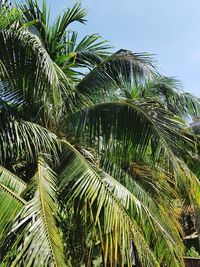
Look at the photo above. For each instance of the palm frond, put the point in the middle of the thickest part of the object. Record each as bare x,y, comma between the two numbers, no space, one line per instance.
35,238
153,219
33,13
25,140
169,91
79,182
8,15
26,65
76,13
154,182
187,177
11,102
138,127
12,181
11,203
53,37
117,70
88,52
130,131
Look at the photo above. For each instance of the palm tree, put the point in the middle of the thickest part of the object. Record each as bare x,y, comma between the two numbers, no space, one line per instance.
91,163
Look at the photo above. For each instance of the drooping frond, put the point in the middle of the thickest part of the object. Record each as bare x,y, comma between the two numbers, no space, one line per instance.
25,140
133,128
11,102
130,131
169,91
191,193
156,183
160,231
11,203
35,239
26,65
20,138
117,70
12,181
117,230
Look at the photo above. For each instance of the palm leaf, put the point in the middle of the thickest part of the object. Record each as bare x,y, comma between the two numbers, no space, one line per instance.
10,206
25,140
26,61
12,181
116,71
89,52
37,241
76,13
10,201
8,15
160,232
169,91
139,127
32,13
155,183
80,183
11,102
52,36
130,131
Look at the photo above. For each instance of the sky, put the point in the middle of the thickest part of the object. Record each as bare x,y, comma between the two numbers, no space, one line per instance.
170,30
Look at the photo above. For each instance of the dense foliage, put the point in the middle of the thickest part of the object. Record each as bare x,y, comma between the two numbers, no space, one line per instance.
95,151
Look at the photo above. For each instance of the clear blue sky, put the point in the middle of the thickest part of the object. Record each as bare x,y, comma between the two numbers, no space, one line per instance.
169,29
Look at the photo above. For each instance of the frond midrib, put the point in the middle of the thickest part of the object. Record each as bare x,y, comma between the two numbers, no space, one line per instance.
14,195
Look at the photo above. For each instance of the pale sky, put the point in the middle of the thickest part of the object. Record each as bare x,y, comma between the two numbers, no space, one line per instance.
169,29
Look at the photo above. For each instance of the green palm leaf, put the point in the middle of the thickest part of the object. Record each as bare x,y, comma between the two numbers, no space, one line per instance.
8,15
89,52
130,131
117,230
138,127
76,13
12,181
11,203
37,241
153,219
23,139
169,91
11,103
51,35
29,69
116,71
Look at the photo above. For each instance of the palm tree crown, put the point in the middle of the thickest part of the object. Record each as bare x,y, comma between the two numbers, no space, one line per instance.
94,148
